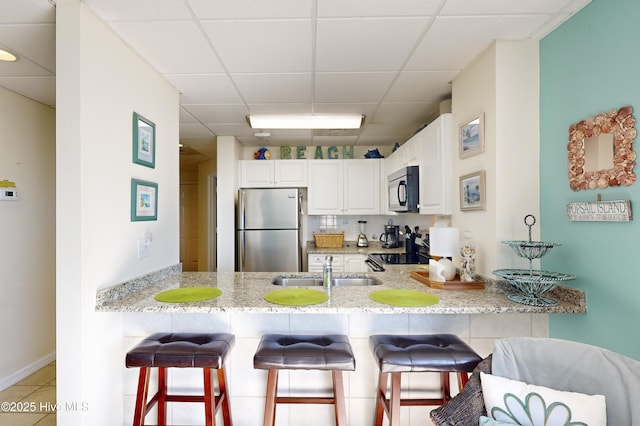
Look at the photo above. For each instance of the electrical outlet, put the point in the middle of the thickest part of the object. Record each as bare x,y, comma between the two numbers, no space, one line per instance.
143,248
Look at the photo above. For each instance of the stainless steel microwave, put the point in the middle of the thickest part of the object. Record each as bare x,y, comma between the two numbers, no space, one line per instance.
403,189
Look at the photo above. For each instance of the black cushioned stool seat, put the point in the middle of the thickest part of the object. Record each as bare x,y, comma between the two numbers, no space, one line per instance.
304,352
181,350
397,354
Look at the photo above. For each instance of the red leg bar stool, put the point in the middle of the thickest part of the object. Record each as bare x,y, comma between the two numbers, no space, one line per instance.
304,352
397,354
181,350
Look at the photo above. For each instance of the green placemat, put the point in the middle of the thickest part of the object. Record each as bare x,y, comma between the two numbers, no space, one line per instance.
404,297
296,296
188,294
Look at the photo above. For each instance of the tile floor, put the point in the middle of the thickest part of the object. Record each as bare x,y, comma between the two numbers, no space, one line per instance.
34,397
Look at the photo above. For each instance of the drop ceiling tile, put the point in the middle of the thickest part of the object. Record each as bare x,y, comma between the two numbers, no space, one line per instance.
163,44
21,11
205,88
139,10
341,45
186,117
502,7
34,42
421,86
21,68
40,89
262,46
267,88
231,129
369,8
283,108
404,113
194,131
352,87
453,42
346,108
218,113
250,9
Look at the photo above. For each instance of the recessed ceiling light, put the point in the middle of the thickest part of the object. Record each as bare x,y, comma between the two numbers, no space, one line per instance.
7,56
352,121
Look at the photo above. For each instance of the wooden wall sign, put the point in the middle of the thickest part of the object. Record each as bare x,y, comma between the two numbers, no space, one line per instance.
600,211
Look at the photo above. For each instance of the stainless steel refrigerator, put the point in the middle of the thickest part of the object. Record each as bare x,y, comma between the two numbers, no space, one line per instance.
268,230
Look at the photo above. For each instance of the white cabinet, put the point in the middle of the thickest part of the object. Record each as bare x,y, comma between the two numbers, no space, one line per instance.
430,149
325,193
273,173
362,186
290,173
316,262
340,263
355,263
344,187
256,173
436,167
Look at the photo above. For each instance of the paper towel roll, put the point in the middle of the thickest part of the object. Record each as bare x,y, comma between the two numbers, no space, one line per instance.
444,241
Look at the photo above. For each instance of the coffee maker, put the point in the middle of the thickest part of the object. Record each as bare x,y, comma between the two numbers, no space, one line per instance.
391,236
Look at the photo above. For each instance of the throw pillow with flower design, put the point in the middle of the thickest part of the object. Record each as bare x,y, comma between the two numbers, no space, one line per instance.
515,402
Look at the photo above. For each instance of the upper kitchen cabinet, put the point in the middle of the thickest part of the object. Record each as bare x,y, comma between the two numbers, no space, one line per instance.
436,167
273,173
344,187
362,186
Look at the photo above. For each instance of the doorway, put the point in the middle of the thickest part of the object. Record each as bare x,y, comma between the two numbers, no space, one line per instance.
189,226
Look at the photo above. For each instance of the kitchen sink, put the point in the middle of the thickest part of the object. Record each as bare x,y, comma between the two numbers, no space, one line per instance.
316,280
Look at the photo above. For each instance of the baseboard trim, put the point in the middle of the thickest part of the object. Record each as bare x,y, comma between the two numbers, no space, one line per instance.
26,371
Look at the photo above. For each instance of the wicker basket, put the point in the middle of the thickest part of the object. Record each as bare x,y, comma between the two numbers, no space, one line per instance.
328,240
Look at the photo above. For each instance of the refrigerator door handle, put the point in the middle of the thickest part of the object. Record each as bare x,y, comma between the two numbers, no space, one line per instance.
243,248
300,205
241,216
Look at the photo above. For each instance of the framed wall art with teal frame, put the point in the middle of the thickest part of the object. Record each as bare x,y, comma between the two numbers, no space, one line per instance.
144,200
144,141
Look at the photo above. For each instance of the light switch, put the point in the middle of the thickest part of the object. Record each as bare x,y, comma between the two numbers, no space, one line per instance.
9,194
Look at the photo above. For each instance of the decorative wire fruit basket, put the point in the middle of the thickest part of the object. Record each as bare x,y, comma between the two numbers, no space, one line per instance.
532,283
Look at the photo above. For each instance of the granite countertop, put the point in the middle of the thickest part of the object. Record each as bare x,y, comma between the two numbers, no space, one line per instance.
244,292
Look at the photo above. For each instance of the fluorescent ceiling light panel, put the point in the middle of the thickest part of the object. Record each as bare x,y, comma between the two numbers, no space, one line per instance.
7,56
351,121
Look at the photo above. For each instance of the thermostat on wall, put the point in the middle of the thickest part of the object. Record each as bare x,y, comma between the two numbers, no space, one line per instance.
8,190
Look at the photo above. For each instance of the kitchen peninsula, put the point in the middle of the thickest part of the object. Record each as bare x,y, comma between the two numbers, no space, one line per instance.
477,316
244,292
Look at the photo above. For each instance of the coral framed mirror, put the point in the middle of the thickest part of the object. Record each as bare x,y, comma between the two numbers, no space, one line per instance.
601,150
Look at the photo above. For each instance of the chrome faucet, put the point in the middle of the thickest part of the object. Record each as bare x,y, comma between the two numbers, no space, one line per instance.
327,272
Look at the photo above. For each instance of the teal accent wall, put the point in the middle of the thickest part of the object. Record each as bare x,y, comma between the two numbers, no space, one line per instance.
589,65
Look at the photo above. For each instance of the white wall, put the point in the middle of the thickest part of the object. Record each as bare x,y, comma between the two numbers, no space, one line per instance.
229,152
503,84
27,245
100,82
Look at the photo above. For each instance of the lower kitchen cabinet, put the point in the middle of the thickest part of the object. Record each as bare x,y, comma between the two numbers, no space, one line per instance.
355,263
316,262
340,263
